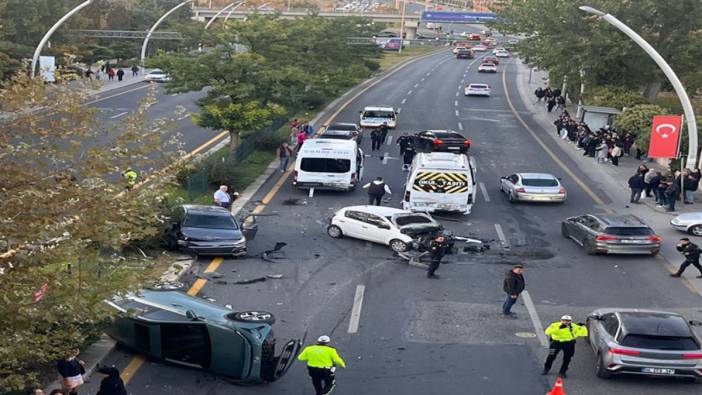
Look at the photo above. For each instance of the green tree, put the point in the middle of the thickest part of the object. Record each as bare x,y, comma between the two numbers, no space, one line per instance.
613,96
65,221
637,120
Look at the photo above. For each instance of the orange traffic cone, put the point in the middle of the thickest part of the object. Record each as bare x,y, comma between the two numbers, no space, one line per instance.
557,388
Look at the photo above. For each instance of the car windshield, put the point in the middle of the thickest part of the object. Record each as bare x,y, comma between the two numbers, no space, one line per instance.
209,221
325,165
339,126
157,72
539,182
448,135
629,231
379,114
411,219
333,134
660,342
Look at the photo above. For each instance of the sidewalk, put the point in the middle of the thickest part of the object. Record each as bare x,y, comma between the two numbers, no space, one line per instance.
612,180
105,85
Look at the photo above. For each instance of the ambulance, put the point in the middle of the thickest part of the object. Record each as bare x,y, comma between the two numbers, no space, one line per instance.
440,181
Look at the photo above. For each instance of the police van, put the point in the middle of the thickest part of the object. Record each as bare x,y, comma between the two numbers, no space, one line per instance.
440,181
375,116
328,164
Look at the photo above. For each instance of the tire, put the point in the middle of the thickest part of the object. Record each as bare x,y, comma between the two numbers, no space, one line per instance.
600,370
254,317
398,245
695,230
511,198
334,232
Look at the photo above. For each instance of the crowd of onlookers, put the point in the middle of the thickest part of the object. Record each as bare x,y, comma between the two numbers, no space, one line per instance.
552,97
665,190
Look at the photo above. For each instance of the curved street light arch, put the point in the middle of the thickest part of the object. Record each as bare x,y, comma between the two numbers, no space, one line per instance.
214,18
153,28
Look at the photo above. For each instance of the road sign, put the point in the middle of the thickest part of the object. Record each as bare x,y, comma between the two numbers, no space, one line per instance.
457,17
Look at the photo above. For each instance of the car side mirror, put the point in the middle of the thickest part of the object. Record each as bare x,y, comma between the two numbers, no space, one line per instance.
560,178
695,323
595,317
191,315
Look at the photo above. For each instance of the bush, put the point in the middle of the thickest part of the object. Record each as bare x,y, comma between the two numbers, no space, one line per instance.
613,96
312,100
371,65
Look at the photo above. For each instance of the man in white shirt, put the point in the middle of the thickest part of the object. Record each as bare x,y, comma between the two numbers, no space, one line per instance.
222,198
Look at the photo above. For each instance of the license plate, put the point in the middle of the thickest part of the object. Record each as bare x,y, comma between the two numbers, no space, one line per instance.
634,241
658,371
454,148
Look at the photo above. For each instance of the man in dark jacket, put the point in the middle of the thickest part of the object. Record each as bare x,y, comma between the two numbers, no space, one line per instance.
112,384
636,184
437,250
513,285
692,256
654,184
375,139
404,141
376,190
691,183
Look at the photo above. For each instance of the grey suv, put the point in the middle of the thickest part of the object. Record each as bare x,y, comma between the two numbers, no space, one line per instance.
611,234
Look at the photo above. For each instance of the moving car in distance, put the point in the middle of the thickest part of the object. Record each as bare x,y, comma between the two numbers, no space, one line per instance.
479,48
644,342
688,222
474,89
533,187
487,67
474,37
343,131
184,330
383,225
491,59
209,230
456,49
441,140
376,116
611,234
502,54
157,75
464,53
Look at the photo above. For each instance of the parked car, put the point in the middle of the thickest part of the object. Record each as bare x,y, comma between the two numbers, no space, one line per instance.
180,329
533,187
644,342
611,234
441,140
343,131
209,230
474,89
688,222
383,225
157,75
487,67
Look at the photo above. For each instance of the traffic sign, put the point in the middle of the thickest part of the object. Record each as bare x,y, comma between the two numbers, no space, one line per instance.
457,17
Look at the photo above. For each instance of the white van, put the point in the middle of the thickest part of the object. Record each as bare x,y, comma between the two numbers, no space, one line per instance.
440,181
328,164
376,116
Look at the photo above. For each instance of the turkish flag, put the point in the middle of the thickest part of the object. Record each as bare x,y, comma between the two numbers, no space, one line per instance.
665,135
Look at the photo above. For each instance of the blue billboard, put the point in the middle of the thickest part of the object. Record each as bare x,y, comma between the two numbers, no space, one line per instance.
457,17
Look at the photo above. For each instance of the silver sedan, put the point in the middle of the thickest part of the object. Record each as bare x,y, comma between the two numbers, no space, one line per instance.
533,187
688,222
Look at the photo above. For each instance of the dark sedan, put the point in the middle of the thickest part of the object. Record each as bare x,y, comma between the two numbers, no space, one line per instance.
208,230
343,131
442,140
464,53
611,234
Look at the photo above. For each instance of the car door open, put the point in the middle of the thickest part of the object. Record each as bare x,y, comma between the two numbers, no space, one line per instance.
285,359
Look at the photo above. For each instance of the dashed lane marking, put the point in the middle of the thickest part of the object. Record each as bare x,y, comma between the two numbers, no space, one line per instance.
404,101
119,115
457,94
416,85
455,103
485,192
535,320
422,79
501,236
388,141
116,94
460,126
385,158
356,309
458,113
410,92
311,194
399,109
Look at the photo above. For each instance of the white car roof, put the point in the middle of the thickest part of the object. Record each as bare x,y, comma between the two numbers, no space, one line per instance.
543,176
321,143
377,210
378,108
442,160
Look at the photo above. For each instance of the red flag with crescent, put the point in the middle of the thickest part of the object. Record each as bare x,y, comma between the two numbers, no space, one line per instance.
665,136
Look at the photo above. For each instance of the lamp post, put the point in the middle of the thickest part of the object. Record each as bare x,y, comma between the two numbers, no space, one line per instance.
153,28
669,73
51,31
214,18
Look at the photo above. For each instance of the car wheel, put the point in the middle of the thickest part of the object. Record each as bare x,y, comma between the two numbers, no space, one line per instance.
334,232
398,245
254,316
511,197
590,249
564,231
695,230
600,370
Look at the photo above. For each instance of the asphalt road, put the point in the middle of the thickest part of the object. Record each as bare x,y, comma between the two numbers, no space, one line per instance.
421,336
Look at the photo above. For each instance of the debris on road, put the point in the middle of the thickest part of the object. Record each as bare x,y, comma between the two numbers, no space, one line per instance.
251,281
274,276
294,202
275,253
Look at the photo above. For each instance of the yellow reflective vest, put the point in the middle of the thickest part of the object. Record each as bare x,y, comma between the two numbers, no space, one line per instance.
319,356
556,333
131,177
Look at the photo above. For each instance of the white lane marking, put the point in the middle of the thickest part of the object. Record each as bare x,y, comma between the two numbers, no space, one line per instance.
410,92
389,140
385,158
457,94
463,81
460,125
455,103
428,74
404,101
484,191
311,194
356,309
501,235
399,109
422,79
535,320
119,115
486,109
416,85
460,86
458,113
116,94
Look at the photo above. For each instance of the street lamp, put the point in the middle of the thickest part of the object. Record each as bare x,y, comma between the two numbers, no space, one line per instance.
667,70
153,28
214,18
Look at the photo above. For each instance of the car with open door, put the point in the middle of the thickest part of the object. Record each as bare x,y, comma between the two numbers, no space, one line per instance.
645,343
187,331
209,230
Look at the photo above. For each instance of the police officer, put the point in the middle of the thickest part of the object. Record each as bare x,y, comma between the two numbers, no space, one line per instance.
321,360
437,250
403,141
375,139
130,177
563,335
691,252
376,190
383,132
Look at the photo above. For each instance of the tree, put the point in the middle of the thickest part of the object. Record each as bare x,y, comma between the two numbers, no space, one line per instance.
637,120
66,223
563,39
613,96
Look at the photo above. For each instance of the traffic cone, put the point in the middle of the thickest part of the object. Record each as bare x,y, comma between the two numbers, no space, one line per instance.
557,388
